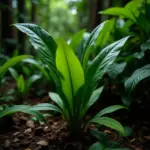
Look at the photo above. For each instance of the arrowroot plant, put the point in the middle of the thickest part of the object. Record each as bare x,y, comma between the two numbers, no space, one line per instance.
6,109
23,85
76,79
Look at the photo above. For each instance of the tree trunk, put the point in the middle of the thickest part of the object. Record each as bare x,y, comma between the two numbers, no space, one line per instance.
33,12
21,19
94,6
7,32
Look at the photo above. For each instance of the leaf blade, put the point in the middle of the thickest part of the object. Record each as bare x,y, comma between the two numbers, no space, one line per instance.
109,109
109,122
68,65
11,62
136,77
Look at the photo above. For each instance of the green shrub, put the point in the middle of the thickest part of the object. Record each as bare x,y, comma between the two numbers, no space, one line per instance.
76,80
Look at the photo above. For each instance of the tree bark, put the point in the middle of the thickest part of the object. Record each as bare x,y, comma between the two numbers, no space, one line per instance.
21,19
7,32
33,12
94,6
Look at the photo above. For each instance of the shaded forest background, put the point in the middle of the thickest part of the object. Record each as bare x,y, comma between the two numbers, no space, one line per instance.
58,17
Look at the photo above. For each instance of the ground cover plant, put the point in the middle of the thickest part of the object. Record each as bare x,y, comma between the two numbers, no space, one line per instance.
132,19
75,79
8,109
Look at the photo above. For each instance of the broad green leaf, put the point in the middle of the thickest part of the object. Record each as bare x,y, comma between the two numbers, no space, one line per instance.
81,47
45,106
37,65
94,97
13,73
46,46
32,110
11,62
133,7
118,11
56,98
97,146
31,80
76,40
69,67
100,64
109,122
105,34
13,109
136,77
91,42
115,69
109,109
21,84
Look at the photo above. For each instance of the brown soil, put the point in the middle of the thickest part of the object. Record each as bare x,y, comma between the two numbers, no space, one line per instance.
18,133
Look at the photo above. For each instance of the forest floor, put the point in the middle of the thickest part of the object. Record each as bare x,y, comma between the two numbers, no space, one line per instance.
21,133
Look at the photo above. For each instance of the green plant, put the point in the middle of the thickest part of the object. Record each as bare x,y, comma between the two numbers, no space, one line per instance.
6,96
132,19
6,109
76,80
10,63
103,142
37,65
137,76
23,85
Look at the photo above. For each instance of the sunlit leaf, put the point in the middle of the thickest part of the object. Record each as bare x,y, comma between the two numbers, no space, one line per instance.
76,39
118,11
91,42
71,72
21,84
11,62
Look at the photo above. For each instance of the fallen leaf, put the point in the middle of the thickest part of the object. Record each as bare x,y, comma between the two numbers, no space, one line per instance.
42,143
